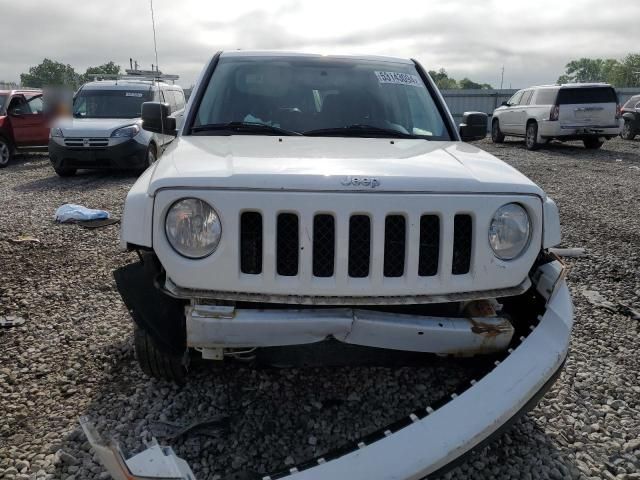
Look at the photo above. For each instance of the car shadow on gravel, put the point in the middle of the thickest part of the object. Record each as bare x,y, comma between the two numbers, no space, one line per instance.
576,151
81,181
274,418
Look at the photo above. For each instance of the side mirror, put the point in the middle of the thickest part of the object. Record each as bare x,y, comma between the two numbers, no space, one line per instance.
504,104
473,126
156,118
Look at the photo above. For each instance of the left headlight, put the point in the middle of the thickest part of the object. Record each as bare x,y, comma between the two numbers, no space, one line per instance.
509,231
129,131
193,228
56,132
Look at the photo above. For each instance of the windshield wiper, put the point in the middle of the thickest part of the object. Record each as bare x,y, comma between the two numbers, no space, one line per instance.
360,130
243,127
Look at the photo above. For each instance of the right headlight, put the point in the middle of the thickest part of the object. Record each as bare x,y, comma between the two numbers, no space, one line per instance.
509,231
193,228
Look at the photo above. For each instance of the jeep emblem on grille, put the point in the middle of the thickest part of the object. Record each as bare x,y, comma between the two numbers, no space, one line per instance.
85,142
371,182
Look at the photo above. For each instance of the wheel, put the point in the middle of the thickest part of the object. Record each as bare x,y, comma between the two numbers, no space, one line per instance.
152,155
496,134
592,143
65,171
155,362
531,138
628,132
6,152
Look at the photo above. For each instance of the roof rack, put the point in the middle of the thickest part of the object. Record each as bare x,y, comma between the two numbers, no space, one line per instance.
131,74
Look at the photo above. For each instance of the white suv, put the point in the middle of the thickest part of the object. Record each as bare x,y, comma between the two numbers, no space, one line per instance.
578,111
309,198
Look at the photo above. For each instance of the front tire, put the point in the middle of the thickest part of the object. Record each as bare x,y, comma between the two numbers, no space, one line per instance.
155,362
496,134
592,143
6,152
628,132
531,137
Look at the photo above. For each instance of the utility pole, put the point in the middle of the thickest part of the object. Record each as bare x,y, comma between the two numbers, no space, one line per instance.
502,77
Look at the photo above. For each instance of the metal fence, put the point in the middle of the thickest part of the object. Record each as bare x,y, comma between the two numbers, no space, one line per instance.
460,101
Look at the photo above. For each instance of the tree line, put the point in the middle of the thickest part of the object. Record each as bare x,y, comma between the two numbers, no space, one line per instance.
619,73
49,73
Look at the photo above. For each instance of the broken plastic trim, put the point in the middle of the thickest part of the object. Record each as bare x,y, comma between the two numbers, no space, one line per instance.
156,462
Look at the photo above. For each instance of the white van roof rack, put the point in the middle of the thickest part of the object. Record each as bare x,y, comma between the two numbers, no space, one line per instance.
149,75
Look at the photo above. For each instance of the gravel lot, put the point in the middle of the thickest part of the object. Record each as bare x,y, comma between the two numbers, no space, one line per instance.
74,355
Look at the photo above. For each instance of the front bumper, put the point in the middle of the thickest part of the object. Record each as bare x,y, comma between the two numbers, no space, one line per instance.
128,154
430,440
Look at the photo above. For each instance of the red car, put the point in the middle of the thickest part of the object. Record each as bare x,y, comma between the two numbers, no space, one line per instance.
23,126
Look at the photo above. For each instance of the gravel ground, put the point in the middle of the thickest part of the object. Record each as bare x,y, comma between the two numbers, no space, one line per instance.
73,356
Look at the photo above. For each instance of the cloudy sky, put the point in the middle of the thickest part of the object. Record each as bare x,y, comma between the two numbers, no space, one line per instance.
532,39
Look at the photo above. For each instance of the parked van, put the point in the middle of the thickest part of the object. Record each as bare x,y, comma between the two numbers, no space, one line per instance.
105,131
577,111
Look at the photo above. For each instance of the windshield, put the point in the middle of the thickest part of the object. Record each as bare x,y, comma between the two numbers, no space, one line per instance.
110,103
307,94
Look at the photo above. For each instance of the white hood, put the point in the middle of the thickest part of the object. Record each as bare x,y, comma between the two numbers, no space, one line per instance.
93,127
321,164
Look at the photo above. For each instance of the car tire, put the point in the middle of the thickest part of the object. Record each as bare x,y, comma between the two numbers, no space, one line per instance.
531,136
155,362
65,171
151,155
496,134
592,143
6,152
628,132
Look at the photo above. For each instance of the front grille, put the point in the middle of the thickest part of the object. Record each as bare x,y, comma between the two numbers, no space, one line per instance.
394,245
96,142
400,234
324,245
359,246
287,245
429,245
251,243
462,233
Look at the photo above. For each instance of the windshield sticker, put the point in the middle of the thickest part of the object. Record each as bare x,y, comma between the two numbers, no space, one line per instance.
399,78
133,94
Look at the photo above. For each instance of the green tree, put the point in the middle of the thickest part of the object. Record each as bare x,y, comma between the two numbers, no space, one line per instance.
619,73
584,70
467,84
50,73
109,68
442,79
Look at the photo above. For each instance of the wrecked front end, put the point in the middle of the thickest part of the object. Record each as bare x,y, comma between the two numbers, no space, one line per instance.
525,335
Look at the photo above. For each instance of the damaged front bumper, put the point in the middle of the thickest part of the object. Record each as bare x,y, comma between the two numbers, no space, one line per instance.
431,439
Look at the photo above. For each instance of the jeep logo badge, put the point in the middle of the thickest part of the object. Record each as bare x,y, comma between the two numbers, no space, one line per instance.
85,142
371,182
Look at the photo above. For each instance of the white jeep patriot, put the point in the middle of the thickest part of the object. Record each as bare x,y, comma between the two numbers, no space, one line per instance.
312,198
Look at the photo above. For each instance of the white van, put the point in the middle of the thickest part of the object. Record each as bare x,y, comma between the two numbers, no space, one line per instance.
106,130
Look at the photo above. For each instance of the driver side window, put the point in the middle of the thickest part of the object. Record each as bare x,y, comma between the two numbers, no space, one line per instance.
18,106
515,100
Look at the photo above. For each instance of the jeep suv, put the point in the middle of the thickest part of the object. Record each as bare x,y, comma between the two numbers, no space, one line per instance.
326,199
105,131
577,111
23,125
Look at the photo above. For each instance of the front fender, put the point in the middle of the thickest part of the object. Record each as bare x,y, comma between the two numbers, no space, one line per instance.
137,218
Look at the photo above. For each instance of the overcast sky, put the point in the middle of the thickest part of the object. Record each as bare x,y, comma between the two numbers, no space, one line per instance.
532,39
